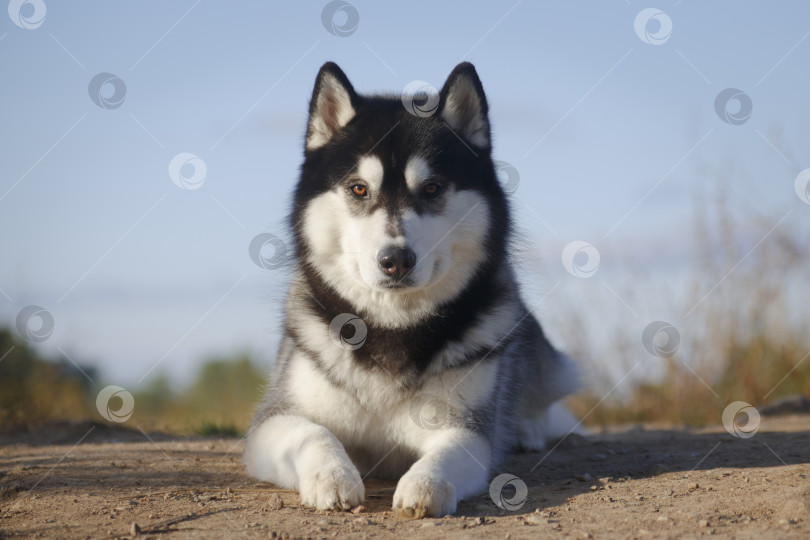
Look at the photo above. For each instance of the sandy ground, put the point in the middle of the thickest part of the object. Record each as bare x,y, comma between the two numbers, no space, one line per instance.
92,481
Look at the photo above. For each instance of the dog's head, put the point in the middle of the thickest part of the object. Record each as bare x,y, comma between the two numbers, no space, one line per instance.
398,207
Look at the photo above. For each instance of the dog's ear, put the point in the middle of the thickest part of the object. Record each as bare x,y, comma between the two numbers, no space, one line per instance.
332,106
464,107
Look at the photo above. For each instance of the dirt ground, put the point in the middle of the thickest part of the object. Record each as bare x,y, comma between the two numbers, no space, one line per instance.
89,480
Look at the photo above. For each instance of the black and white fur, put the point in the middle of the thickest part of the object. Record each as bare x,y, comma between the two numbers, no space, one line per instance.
446,329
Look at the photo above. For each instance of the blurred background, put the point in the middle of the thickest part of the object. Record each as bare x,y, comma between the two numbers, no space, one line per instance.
657,159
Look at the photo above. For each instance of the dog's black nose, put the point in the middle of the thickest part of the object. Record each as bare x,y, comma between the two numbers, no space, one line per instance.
396,262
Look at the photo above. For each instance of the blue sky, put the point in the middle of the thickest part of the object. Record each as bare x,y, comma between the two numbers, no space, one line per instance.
612,137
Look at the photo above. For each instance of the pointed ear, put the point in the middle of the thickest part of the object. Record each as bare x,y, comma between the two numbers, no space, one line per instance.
464,107
332,105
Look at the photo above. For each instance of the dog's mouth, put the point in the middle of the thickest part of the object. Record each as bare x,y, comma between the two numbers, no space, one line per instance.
399,285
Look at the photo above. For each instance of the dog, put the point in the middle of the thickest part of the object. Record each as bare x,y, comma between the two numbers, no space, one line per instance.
407,351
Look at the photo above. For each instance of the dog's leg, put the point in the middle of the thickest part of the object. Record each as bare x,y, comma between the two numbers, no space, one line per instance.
295,453
454,465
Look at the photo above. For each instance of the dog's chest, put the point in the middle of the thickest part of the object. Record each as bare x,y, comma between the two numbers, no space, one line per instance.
370,410
363,406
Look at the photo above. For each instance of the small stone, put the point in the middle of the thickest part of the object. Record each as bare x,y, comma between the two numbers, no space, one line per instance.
693,486
583,477
358,509
274,502
534,519
134,529
703,523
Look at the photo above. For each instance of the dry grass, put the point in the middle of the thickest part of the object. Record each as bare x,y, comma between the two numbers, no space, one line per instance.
746,341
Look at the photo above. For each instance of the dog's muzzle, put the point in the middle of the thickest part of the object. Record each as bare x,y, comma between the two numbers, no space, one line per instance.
396,262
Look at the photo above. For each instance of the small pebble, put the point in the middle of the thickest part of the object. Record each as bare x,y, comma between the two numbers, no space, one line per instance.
274,502
358,509
134,529
703,523
583,477
533,519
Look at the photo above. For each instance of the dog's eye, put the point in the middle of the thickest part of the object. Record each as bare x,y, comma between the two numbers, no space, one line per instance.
360,190
430,190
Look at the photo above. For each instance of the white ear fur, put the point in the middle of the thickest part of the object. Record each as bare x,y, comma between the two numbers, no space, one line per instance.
331,109
465,111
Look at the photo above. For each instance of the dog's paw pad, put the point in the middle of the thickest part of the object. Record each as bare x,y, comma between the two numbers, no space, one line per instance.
421,495
333,488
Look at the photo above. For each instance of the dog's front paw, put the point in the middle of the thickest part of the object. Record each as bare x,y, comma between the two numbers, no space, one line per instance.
338,487
421,495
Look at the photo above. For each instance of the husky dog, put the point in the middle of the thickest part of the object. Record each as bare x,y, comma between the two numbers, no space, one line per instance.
407,350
